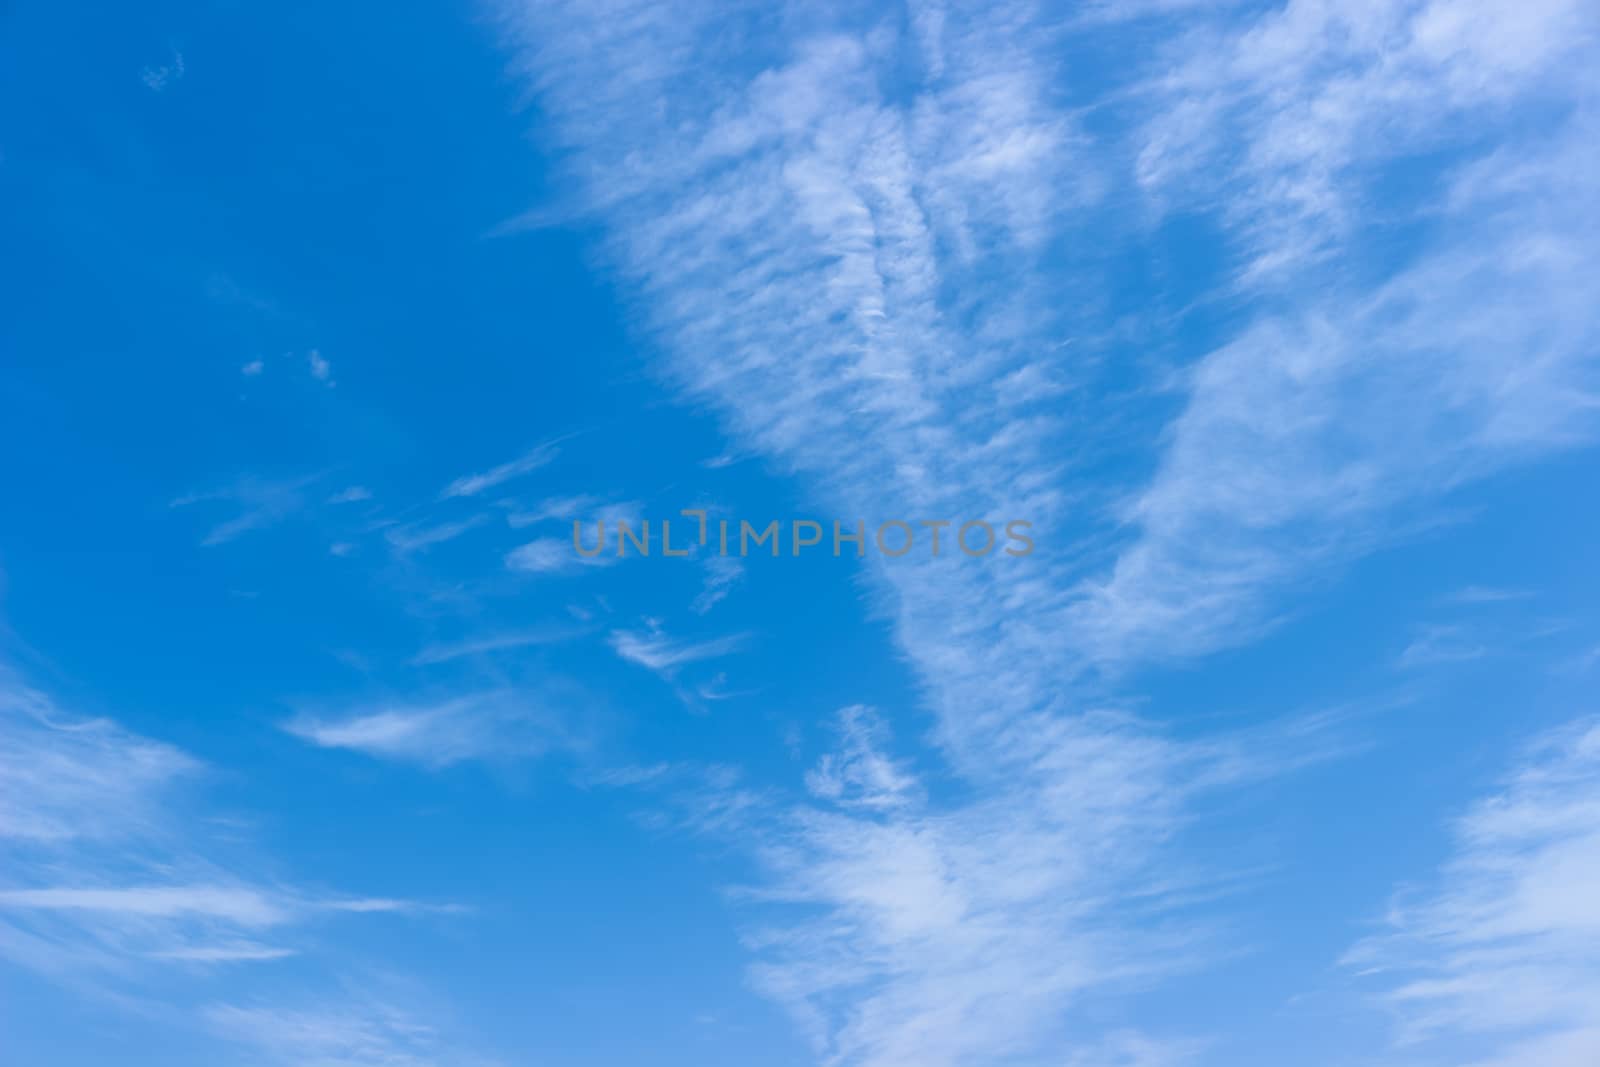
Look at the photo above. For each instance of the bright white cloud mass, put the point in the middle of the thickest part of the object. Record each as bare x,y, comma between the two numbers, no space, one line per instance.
1275,321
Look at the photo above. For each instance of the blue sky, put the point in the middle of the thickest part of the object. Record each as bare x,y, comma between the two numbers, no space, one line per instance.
319,746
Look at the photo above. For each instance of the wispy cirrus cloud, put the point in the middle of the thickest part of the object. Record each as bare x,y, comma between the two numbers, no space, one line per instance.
1352,402
361,1029
1442,644
558,553
233,952
840,265
492,725
1132,1049
240,906
355,494
861,773
722,574
1282,127
109,884
486,644
259,504
554,555
1497,962
158,78
320,368
663,654
527,463
581,508
105,873
1487,594
73,779
419,536
841,249
1409,397
961,933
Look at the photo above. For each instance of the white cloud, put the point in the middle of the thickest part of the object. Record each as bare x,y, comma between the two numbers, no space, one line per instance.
244,907
1499,960
573,508
445,652
722,574
105,875
717,689
253,368
664,655
1130,1049
548,555
1442,644
374,905
157,79
505,724
321,369
860,774
1407,398
416,537
553,555
1272,126
473,484
233,952
842,273
353,495
358,1030
559,554
1483,594
260,504
1330,423
901,931
77,779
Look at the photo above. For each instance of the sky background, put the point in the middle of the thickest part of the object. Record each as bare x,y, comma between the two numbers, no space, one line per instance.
319,747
